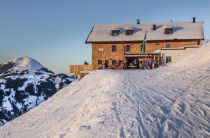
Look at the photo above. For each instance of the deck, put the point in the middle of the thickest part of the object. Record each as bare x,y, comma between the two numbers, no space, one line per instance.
80,70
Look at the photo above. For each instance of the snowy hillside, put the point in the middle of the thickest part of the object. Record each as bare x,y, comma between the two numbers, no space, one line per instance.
24,84
172,101
26,63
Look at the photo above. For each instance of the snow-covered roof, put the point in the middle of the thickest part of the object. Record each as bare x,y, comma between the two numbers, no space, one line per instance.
182,31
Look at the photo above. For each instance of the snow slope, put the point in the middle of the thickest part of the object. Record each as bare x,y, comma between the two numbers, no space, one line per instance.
172,101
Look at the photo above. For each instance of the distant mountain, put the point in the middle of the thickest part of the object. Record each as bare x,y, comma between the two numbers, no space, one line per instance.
24,84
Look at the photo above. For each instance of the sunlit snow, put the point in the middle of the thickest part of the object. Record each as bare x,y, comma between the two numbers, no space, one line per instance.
171,101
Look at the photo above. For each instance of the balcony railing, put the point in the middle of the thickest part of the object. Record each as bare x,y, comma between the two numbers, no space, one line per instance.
80,70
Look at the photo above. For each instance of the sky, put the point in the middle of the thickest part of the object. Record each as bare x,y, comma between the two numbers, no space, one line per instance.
54,31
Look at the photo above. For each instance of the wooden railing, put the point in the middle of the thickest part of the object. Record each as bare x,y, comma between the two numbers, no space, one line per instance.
79,69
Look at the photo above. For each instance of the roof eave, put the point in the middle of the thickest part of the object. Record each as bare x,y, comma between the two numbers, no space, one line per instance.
86,42
89,42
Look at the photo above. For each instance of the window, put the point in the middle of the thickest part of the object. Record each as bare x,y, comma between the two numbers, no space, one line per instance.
114,61
100,49
169,30
128,48
168,59
168,46
142,48
99,62
120,61
114,48
107,62
128,32
115,32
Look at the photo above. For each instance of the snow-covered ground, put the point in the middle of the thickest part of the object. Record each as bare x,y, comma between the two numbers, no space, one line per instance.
172,101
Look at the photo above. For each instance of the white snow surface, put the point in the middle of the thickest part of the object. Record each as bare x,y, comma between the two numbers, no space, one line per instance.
27,63
182,30
172,101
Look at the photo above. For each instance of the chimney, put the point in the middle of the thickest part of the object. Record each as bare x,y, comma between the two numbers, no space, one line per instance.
154,27
194,19
138,21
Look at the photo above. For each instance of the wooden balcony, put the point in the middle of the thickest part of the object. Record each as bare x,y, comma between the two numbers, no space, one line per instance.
80,70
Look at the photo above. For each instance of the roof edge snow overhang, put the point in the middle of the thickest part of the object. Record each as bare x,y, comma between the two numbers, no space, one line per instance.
86,42
137,55
181,48
133,41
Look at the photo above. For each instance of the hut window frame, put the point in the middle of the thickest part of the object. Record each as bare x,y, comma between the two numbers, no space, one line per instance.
115,32
114,48
168,46
168,59
107,62
100,49
129,32
169,30
100,62
127,48
114,62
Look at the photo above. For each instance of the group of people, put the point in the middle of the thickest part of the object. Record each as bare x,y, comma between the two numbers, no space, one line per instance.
145,64
150,64
134,64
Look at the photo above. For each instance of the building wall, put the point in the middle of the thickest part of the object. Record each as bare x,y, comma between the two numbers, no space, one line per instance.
178,54
107,53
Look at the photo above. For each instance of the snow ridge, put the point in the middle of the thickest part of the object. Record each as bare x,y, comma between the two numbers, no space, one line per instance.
171,101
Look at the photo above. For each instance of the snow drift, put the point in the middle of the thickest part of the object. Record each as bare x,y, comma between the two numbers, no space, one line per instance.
172,101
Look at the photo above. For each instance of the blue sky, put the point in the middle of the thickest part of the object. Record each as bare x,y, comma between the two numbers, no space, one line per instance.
54,31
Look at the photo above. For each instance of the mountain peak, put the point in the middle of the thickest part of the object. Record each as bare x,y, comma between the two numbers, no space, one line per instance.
24,84
27,63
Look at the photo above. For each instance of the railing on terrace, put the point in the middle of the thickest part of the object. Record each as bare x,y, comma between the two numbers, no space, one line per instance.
78,70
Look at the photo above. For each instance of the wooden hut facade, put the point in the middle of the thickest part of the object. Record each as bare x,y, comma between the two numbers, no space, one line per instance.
118,43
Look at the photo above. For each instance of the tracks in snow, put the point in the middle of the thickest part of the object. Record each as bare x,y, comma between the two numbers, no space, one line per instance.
162,108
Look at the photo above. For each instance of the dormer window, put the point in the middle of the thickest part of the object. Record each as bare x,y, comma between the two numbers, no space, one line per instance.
129,32
115,32
169,30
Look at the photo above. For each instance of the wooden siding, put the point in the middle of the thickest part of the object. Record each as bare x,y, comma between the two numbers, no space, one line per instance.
78,69
107,53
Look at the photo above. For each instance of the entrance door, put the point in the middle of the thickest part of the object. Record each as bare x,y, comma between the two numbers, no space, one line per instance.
132,63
